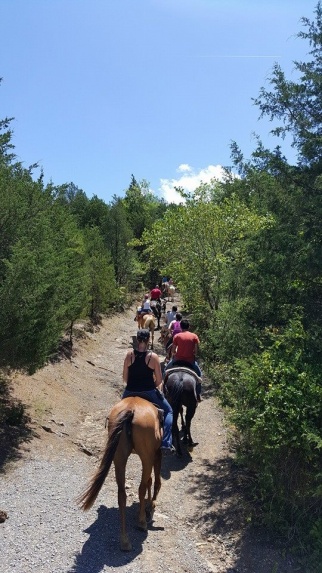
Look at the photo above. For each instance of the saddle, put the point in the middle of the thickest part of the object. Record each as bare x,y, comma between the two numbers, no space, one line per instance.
185,368
160,415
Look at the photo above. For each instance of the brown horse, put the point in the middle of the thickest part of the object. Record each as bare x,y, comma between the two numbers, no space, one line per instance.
134,426
164,334
147,321
164,338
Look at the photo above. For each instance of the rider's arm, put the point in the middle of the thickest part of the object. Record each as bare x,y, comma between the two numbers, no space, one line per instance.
157,371
173,349
195,351
126,367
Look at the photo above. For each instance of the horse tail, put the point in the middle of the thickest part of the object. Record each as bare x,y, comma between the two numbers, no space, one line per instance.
87,498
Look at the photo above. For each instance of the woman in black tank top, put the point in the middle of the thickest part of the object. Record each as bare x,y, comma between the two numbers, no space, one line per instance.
143,377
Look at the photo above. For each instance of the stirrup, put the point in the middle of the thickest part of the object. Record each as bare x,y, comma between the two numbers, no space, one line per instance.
168,451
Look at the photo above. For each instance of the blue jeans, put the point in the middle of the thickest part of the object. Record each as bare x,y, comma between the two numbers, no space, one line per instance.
194,365
157,398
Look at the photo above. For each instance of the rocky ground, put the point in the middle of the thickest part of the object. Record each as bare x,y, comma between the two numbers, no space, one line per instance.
201,522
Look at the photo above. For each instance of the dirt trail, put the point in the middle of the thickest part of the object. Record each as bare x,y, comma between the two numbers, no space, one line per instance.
199,525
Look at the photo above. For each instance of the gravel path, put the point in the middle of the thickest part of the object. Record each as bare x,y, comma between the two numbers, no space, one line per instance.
198,524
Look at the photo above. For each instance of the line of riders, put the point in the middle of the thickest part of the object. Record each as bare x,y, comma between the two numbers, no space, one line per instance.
145,420
142,374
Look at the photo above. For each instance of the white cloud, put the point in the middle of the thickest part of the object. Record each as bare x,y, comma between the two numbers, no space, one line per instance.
184,167
189,181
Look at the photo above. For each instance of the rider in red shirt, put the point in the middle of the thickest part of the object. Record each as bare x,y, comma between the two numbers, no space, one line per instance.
184,350
186,344
155,293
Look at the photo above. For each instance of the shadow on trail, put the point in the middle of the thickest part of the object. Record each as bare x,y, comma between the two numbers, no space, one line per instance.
174,463
102,547
14,425
223,515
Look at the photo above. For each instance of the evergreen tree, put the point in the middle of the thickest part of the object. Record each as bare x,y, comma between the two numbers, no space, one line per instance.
119,235
102,284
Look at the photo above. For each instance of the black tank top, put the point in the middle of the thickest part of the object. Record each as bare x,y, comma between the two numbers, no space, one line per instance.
140,376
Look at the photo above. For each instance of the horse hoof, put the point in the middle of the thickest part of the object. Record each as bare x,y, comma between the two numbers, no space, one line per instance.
149,516
3,516
143,526
126,545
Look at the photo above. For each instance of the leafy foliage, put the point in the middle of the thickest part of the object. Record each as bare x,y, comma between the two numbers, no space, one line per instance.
247,257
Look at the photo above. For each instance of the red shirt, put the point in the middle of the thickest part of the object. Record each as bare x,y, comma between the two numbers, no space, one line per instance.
186,343
155,294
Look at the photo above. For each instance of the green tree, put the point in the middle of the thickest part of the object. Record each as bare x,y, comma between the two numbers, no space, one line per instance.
142,207
203,244
119,236
102,284
42,254
297,105
274,391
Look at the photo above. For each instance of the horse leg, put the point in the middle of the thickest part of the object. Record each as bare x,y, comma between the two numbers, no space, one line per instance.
157,313
146,482
157,484
189,415
175,432
183,425
157,474
120,465
154,310
120,460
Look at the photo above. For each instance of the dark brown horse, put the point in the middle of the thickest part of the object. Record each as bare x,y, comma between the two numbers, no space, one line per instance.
156,309
180,390
134,426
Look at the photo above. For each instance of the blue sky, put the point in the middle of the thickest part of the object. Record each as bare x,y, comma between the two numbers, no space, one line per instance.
101,89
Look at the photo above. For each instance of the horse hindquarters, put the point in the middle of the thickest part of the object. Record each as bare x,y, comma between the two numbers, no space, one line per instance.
133,425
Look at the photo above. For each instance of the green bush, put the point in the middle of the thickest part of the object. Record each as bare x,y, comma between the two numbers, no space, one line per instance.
275,400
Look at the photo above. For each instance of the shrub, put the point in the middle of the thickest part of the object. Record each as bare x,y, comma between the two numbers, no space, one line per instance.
275,401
